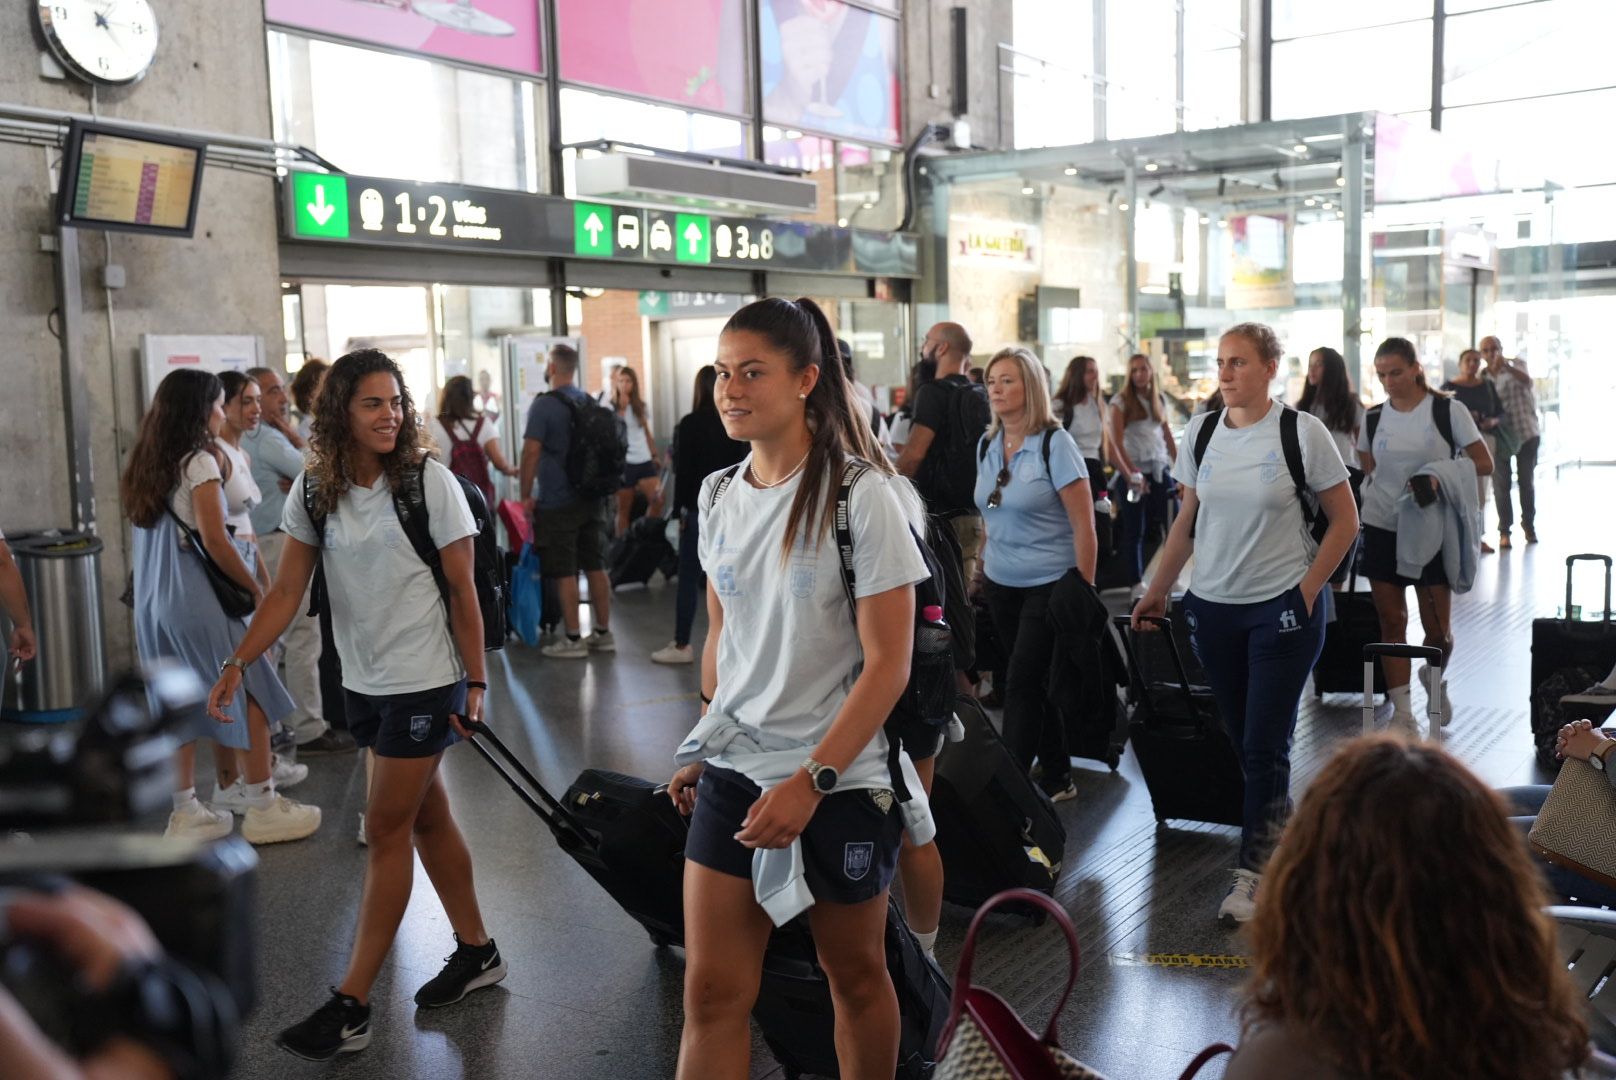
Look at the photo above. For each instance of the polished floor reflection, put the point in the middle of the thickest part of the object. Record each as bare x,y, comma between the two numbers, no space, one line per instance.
589,997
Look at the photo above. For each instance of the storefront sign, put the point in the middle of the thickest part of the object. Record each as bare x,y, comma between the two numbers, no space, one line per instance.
1007,244
385,212
1260,270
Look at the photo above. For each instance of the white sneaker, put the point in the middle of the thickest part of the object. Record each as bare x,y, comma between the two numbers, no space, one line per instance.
1447,703
1404,724
1383,713
601,641
232,800
287,773
198,822
566,649
674,653
1241,902
280,821
363,838
548,638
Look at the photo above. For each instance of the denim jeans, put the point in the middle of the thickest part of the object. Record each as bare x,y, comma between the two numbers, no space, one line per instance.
1032,724
1257,658
1525,462
692,582
1567,885
1150,512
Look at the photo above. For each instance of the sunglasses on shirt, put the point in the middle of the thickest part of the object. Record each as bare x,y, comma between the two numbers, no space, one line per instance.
998,488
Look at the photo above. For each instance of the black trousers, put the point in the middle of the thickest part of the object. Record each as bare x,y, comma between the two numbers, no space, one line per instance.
1032,724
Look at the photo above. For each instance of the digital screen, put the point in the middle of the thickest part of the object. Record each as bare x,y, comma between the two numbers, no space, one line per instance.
124,180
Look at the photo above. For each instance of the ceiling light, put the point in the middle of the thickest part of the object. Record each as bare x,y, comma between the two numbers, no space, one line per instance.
841,223
1151,166
1341,181
1070,170
1206,221
1328,205
1310,201
1123,207
868,206
1300,148
1026,189
1340,214
1224,224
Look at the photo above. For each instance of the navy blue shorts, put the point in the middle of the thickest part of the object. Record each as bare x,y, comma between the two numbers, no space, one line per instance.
1379,560
849,850
644,470
410,725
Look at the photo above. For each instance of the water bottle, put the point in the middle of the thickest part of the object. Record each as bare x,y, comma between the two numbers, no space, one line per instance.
933,664
1136,488
1103,506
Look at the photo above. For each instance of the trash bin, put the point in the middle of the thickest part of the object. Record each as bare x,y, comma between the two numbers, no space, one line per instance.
61,572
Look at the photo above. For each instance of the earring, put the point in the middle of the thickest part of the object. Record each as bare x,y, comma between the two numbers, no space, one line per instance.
802,397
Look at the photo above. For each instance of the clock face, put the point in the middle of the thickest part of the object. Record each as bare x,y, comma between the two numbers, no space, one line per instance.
103,41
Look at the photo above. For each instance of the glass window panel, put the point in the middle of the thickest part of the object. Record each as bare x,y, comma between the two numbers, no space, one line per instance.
1546,48
869,190
1294,18
1141,76
1212,89
587,116
1053,88
692,53
830,67
1544,137
815,155
1454,7
386,114
1387,68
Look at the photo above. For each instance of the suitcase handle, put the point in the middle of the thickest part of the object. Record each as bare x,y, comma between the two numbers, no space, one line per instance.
1429,653
546,806
1571,562
1125,624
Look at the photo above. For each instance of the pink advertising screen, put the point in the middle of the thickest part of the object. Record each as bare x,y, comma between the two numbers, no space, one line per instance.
691,53
494,33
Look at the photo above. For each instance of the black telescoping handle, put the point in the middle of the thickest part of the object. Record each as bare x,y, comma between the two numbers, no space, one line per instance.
1571,562
1429,653
1125,624
549,809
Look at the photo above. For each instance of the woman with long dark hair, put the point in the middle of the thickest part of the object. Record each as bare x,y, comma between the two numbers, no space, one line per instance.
1080,405
173,494
468,438
412,668
643,463
1328,395
700,448
1360,970
789,758
1143,449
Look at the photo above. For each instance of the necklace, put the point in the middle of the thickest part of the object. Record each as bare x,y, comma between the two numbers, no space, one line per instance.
759,481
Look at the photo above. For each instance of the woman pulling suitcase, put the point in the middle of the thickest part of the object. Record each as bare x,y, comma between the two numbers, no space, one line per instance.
405,670
787,779
1255,614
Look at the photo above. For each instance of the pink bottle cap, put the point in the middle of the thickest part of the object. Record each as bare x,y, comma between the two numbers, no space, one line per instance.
932,613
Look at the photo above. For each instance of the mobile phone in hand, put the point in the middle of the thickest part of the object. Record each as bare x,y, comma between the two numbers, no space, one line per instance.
1424,489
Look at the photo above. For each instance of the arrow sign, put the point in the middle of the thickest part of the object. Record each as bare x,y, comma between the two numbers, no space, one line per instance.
592,225
693,237
591,235
319,209
696,236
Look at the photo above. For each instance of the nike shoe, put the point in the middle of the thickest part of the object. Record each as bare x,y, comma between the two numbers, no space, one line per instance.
340,1026
469,967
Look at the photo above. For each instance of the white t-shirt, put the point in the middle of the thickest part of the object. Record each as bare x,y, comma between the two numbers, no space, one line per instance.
241,492
1087,425
639,447
1405,442
1144,442
388,618
462,431
1250,534
789,652
1345,441
200,468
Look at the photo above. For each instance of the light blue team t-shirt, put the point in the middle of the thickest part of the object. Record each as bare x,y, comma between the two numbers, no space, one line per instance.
1029,535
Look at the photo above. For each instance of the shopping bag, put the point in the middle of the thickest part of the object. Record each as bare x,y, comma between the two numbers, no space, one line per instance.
527,596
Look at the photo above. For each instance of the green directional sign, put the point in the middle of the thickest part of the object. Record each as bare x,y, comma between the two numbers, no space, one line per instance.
319,205
591,229
693,238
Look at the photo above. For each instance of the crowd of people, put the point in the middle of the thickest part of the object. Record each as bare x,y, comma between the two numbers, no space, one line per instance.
278,542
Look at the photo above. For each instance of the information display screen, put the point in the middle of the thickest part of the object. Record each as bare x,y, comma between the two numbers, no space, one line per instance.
121,179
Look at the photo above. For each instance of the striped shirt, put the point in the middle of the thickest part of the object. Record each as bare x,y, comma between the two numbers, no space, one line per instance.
1520,404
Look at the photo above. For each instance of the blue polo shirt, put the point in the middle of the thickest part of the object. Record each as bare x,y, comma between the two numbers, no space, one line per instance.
1030,538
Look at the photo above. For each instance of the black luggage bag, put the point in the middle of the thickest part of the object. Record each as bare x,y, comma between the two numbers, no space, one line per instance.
1568,655
1159,658
1190,765
624,831
641,551
794,1011
1340,666
995,829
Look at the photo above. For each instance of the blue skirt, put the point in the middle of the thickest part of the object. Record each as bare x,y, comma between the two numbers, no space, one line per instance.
178,617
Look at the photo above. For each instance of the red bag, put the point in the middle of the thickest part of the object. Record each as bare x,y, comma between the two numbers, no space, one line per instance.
468,458
518,526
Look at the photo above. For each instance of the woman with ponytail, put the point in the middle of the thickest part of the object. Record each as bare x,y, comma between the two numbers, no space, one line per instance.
787,772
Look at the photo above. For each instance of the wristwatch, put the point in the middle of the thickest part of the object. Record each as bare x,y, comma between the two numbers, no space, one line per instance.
1597,758
233,661
822,776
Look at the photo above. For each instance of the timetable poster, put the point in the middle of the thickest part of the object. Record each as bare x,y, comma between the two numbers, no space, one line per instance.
133,182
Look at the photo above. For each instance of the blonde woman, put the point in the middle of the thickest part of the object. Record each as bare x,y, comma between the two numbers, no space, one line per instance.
1032,489
643,464
1144,448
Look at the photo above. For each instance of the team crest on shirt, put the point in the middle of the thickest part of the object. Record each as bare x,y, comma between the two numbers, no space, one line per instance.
856,859
802,581
420,727
1268,471
392,536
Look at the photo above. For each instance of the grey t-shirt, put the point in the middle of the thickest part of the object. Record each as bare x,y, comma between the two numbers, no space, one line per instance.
549,423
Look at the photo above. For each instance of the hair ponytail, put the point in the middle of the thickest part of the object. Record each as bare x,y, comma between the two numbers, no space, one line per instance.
837,427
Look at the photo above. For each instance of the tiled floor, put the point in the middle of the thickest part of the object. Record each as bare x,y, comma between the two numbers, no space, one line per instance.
588,996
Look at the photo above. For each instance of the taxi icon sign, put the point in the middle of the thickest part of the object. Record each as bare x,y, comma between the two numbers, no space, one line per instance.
628,233
661,236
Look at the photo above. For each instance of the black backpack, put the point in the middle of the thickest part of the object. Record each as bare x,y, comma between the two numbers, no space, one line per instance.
1441,416
488,569
927,702
597,449
948,474
982,455
1313,515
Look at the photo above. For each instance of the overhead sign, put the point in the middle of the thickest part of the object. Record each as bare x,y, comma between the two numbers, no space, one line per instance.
379,211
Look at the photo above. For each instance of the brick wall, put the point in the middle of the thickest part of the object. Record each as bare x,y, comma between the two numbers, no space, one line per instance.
612,327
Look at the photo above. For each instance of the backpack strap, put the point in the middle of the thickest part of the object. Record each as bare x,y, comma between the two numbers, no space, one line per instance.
844,532
1371,422
1049,433
317,592
1442,414
1203,436
722,485
409,503
1290,442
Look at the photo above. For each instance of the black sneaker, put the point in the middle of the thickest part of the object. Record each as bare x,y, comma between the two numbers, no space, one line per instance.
471,967
340,1026
331,741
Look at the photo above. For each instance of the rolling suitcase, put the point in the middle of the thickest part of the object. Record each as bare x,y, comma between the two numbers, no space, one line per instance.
1568,655
793,1007
1156,659
995,829
1354,626
624,831
1191,767
641,551
1371,667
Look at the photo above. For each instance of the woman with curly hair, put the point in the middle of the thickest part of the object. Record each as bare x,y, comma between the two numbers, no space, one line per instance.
405,667
1377,953
173,491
